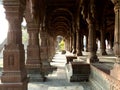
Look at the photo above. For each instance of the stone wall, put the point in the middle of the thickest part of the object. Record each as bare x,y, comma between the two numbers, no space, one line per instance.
102,81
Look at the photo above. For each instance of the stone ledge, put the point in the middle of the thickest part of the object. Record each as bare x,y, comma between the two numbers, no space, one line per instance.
104,80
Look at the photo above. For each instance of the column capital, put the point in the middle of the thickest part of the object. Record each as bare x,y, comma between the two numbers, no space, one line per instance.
116,2
117,5
13,5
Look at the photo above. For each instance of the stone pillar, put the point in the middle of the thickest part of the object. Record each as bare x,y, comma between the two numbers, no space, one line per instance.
82,46
86,43
115,72
33,62
14,75
79,50
67,43
50,47
92,46
111,41
74,43
102,43
54,45
44,52
70,43
69,47
44,43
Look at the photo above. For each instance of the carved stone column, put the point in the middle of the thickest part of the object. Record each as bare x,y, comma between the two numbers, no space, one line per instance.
115,72
79,50
33,62
14,75
92,46
102,43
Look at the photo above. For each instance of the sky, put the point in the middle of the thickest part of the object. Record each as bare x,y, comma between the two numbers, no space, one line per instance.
3,24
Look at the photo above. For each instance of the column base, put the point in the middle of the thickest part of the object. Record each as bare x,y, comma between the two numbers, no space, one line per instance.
47,68
36,76
103,52
35,73
15,86
79,54
115,72
92,58
74,51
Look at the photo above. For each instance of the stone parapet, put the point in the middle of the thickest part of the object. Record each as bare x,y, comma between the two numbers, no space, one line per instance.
102,81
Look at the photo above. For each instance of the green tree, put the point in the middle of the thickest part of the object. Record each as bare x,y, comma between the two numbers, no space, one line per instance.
62,45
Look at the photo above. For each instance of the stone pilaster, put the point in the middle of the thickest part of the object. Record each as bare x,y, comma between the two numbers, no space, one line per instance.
115,72
92,46
33,62
14,75
102,43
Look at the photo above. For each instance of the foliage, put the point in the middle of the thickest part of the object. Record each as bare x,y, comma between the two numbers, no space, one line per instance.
24,35
62,45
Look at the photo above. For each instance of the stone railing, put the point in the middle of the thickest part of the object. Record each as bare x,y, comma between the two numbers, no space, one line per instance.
102,81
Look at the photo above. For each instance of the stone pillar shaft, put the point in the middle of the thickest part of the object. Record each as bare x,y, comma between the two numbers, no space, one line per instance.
74,43
86,43
92,46
44,45
79,50
71,43
102,43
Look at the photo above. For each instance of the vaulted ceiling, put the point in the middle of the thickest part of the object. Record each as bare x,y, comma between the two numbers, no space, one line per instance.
60,16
